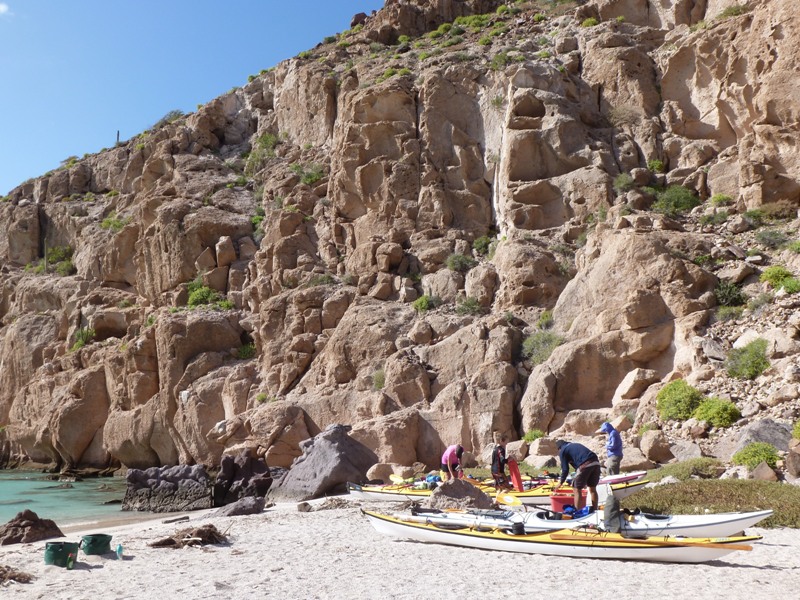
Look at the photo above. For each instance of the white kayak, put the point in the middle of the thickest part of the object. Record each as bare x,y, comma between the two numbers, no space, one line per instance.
632,524
565,542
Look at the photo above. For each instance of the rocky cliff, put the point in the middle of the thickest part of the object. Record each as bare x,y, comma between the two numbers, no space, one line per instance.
395,228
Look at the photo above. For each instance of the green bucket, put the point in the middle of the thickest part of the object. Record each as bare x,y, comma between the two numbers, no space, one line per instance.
58,553
96,543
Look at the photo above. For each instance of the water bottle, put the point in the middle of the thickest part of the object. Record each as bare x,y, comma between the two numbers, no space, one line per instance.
119,551
70,561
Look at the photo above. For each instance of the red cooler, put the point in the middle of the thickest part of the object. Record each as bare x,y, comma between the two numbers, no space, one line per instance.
559,500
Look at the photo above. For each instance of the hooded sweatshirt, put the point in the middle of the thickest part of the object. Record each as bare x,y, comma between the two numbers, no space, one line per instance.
614,442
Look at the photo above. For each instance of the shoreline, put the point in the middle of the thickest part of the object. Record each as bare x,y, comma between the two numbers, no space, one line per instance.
335,553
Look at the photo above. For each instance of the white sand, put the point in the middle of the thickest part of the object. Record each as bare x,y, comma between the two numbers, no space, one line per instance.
283,553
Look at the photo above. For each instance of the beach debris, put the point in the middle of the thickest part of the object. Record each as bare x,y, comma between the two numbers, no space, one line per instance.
333,503
199,536
27,527
8,574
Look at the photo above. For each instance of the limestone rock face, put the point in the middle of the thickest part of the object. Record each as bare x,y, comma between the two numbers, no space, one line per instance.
427,246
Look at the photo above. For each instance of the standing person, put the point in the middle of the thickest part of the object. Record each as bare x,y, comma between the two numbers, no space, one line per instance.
451,462
587,472
613,448
499,462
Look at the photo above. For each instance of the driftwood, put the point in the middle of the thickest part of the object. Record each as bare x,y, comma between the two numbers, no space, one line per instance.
199,536
9,574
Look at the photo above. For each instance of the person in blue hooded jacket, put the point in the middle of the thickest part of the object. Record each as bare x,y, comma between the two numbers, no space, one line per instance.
613,448
587,470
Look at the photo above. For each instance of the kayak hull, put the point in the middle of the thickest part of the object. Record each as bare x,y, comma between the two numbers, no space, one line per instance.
711,525
539,496
577,544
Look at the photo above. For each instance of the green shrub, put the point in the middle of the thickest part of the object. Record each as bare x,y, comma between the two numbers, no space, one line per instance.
771,238
716,218
65,268
459,263
590,22
791,285
246,351
754,454
539,17
533,435
263,148
729,313
469,306
694,468
796,430
759,301
794,247
748,362
656,165
202,295
729,294
499,61
675,200
113,222
645,427
718,412
721,200
677,401
481,245
775,275
309,174
755,217
545,320
734,11
426,302
539,346
171,116
379,379
83,336
261,398
623,182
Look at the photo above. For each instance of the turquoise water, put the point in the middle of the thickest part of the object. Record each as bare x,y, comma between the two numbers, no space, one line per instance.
84,502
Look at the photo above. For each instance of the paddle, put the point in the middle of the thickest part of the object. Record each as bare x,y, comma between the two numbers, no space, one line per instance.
648,542
507,499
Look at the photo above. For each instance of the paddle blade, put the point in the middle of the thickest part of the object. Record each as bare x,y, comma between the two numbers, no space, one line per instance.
508,500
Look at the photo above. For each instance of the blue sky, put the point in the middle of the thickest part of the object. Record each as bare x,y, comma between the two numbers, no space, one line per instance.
73,72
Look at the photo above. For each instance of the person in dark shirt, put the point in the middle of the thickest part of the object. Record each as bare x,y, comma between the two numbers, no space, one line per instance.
499,462
587,470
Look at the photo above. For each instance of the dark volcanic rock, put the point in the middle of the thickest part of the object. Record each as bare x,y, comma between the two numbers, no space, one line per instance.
168,489
28,527
251,505
244,475
328,462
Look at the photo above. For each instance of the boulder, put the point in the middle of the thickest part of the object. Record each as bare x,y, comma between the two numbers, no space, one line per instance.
457,493
763,472
249,505
793,462
245,475
634,459
26,527
655,446
329,461
766,430
686,450
168,489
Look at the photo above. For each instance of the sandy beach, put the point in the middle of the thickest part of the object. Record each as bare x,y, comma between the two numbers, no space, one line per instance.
335,553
